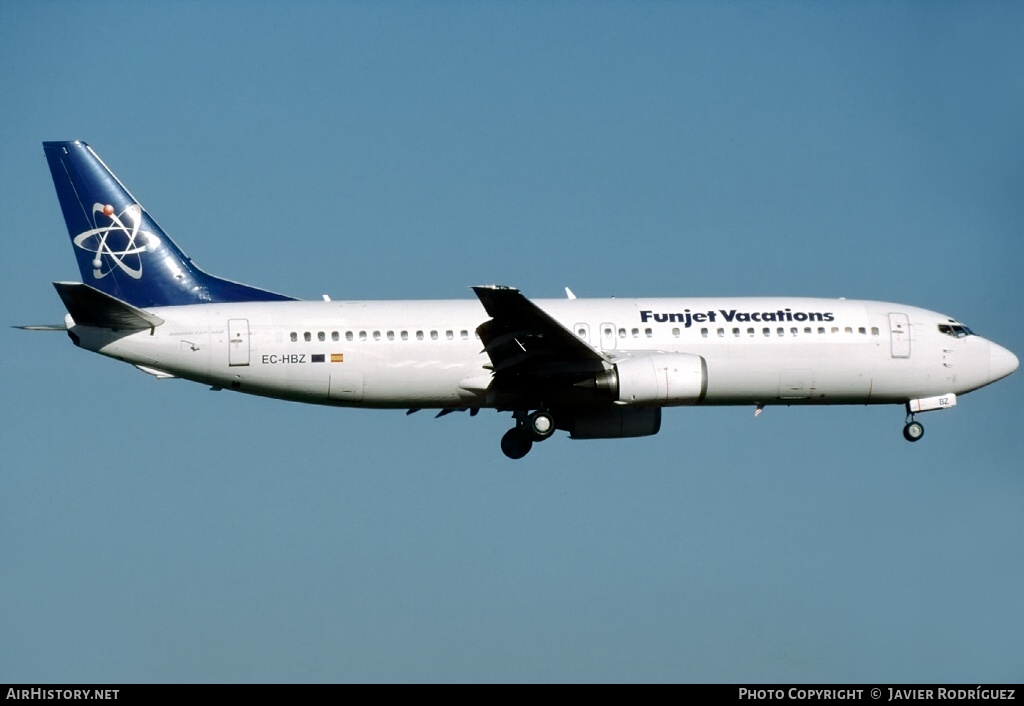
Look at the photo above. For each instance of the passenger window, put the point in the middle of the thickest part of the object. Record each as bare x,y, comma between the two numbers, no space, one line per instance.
450,335
636,333
781,331
391,335
862,330
321,336
405,335
349,336
335,336
648,332
750,331
874,330
464,335
767,332
433,335
307,337
675,332
581,332
704,333
419,335
622,332
376,335
849,329
362,335
736,332
821,329
294,336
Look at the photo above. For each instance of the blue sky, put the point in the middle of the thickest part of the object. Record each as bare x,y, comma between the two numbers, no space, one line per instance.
157,531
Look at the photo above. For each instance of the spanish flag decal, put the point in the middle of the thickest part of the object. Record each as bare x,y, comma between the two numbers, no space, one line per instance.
337,357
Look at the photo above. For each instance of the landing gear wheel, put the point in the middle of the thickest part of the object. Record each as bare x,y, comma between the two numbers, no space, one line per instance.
541,425
913,431
516,443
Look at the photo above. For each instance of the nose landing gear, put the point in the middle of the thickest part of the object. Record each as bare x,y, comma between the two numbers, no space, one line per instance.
913,431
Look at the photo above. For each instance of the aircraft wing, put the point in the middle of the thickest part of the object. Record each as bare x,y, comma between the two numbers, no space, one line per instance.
527,346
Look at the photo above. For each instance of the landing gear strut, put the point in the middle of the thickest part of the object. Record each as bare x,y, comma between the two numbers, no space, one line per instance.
529,428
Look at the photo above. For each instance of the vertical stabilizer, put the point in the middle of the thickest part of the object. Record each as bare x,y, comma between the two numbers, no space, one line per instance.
120,249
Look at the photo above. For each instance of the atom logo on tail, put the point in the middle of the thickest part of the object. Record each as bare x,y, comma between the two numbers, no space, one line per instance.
117,245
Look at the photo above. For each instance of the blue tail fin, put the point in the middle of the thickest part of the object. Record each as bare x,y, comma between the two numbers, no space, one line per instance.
121,251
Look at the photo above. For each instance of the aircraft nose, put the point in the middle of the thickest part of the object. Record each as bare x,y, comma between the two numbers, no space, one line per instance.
1003,362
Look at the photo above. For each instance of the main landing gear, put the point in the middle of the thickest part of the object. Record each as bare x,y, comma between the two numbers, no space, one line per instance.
529,428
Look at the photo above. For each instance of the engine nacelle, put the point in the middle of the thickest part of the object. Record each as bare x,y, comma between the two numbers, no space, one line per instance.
617,422
657,379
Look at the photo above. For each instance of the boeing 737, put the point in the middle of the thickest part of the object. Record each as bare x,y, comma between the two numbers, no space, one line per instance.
595,368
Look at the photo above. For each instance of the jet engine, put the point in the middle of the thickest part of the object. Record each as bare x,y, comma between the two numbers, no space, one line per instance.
656,379
618,422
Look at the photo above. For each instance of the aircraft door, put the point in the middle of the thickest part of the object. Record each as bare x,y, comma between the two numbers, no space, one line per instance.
608,336
238,342
899,331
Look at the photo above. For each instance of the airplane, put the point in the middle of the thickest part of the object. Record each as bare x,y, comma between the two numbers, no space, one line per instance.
595,368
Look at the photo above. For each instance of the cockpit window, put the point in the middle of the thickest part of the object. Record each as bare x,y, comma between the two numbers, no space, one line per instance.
955,330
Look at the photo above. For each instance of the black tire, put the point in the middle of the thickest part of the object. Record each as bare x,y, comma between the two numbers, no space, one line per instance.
516,443
913,431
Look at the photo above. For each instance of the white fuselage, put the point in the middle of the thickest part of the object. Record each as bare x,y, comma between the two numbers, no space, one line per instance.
426,354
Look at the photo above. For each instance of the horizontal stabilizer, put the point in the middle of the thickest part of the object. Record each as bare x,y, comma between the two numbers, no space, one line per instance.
43,327
91,307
